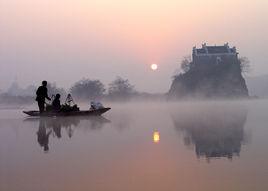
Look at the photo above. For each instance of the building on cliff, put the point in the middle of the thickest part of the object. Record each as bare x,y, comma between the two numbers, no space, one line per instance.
215,71
213,54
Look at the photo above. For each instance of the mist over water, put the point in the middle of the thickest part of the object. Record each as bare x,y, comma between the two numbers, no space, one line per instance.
192,146
167,127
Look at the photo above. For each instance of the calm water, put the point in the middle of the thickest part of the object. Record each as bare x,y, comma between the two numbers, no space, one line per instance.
183,146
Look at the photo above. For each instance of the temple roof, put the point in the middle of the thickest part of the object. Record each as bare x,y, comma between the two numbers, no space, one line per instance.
225,49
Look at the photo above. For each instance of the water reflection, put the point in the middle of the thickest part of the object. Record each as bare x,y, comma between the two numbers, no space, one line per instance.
214,131
156,137
43,135
54,126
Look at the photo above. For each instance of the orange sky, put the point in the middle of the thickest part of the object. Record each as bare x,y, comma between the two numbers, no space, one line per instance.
129,34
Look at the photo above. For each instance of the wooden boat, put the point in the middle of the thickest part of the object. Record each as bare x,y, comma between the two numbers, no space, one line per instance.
93,112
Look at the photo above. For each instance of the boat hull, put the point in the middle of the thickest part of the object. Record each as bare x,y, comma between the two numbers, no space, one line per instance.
96,112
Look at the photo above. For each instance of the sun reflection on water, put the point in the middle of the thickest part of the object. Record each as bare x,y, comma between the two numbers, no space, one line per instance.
156,137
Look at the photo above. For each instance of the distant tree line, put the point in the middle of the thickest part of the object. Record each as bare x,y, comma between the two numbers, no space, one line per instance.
86,89
119,89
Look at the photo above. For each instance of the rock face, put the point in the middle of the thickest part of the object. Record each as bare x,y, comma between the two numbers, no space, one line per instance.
215,72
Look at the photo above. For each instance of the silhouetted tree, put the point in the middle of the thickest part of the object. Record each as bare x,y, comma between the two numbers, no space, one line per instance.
186,64
88,89
120,89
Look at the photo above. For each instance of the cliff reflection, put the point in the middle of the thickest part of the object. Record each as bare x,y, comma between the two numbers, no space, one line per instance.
214,131
54,127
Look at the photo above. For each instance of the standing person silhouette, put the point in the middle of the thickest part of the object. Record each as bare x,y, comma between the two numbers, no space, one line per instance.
41,96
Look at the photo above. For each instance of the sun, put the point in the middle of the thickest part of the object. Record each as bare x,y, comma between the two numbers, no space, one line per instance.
154,67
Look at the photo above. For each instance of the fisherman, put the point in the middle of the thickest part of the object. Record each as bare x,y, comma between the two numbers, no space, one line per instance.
41,96
56,103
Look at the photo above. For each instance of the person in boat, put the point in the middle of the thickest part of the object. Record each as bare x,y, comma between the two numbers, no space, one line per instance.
69,100
69,105
56,103
41,96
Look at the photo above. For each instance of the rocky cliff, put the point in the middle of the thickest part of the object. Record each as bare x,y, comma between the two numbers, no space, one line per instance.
219,77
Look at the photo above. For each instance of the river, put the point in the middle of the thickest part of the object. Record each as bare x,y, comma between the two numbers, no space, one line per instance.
193,146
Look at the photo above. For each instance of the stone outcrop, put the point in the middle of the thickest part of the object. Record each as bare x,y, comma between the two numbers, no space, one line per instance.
215,72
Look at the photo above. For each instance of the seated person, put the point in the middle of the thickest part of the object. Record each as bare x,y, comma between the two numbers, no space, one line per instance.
56,103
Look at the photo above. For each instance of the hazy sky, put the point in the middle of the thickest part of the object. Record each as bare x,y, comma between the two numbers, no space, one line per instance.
65,40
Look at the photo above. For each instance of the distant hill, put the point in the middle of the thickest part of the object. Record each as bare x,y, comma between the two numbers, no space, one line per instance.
258,86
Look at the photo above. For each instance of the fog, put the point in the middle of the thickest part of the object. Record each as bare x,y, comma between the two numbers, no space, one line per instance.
162,128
